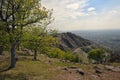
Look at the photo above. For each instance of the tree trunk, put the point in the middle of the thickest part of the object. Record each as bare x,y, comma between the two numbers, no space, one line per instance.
35,54
1,50
13,59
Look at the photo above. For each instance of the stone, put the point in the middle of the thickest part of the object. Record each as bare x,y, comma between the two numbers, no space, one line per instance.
98,71
80,71
65,68
112,68
73,67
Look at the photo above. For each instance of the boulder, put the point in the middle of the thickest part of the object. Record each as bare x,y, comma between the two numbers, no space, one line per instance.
98,69
109,68
112,68
66,69
73,67
80,71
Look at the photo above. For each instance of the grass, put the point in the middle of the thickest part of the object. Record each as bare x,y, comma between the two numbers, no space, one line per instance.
115,64
27,68
44,69
4,60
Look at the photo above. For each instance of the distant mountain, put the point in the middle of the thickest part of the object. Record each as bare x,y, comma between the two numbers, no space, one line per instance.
76,44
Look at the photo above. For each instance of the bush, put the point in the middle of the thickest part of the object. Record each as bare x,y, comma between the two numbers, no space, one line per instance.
97,55
57,53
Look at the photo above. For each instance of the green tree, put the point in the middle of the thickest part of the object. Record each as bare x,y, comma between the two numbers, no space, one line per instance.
37,39
97,55
4,41
17,14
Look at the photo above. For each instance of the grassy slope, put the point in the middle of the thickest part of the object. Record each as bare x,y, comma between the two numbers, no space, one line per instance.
46,69
43,69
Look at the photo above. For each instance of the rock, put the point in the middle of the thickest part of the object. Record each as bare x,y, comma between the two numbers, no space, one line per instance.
112,68
63,61
27,51
80,71
98,71
95,76
65,68
96,67
116,69
109,68
73,67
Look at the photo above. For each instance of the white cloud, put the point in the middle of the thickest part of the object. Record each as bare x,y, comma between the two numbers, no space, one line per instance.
107,20
73,6
75,15
91,9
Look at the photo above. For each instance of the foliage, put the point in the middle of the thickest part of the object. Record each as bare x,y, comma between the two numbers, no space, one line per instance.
97,55
4,40
57,53
37,38
17,14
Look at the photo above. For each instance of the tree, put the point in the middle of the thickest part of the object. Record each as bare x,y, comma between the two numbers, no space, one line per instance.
4,41
17,14
37,39
97,55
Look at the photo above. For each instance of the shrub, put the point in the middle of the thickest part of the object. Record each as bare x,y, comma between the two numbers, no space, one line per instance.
57,53
97,55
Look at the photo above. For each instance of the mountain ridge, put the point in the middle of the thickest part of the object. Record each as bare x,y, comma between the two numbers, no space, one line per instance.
74,43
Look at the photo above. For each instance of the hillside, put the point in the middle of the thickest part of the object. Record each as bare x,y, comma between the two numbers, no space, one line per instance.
76,44
53,69
46,68
72,42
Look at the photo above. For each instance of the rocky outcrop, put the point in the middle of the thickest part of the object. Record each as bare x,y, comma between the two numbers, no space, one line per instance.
76,69
112,68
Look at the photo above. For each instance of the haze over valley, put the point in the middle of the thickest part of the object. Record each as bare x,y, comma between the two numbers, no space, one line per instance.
108,38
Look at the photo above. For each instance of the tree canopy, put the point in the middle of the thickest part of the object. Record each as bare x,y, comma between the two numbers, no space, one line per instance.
14,16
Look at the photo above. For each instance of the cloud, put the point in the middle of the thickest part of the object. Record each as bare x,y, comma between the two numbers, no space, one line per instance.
91,9
73,6
79,15
106,20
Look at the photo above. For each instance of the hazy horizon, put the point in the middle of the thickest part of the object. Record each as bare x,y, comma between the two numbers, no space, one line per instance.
105,30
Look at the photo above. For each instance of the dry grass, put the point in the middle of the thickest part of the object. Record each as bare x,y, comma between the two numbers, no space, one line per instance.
52,69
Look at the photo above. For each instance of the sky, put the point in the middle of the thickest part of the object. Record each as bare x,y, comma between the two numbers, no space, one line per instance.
84,14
